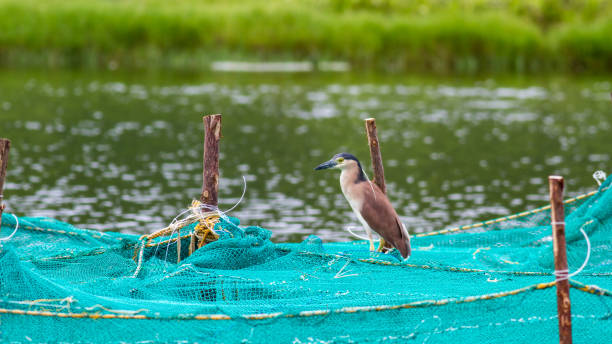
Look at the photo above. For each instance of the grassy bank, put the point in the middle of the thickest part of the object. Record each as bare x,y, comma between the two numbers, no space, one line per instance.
441,36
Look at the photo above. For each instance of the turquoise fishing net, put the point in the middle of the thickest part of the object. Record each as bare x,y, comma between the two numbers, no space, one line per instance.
490,282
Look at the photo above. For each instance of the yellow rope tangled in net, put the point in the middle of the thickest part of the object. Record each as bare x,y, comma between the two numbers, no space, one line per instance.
202,234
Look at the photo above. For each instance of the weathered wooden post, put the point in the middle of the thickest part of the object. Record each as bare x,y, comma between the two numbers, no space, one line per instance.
210,174
561,269
5,146
377,165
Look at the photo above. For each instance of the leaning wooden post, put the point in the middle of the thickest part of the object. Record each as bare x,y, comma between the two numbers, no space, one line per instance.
561,270
5,146
210,174
377,165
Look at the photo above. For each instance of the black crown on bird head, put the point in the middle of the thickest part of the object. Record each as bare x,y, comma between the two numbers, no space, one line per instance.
347,156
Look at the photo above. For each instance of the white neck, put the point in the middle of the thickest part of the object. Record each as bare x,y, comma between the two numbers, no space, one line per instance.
348,176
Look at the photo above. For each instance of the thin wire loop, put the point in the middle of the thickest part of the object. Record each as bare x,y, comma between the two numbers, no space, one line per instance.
564,274
15,231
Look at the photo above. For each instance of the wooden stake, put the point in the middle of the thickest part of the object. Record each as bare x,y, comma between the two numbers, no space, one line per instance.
210,174
192,243
558,228
377,165
5,146
178,246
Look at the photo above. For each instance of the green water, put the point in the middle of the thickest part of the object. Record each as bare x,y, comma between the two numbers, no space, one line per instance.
123,151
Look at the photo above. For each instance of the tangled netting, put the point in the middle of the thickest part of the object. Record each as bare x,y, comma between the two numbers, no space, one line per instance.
491,282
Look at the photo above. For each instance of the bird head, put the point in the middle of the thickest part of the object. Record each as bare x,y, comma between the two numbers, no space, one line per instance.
340,161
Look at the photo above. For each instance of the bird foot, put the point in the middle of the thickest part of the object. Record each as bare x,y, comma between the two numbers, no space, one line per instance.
381,245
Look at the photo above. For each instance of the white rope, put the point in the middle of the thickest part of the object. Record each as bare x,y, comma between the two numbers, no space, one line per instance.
174,224
348,229
140,256
117,311
369,181
241,197
599,177
15,231
564,274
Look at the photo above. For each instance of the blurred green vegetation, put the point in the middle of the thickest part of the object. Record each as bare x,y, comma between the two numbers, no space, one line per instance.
442,36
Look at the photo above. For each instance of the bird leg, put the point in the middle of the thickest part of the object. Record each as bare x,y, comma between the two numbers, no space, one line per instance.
381,246
371,241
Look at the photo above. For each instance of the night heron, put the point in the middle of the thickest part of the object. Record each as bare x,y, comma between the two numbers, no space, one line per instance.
370,204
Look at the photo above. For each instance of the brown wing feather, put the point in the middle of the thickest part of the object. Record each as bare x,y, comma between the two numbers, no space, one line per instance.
381,217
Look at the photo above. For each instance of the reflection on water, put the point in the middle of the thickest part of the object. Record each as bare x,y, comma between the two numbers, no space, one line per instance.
123,152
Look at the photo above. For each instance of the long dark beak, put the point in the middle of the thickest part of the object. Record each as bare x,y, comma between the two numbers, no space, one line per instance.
326,165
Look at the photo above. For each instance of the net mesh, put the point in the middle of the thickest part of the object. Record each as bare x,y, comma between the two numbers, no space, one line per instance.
491,282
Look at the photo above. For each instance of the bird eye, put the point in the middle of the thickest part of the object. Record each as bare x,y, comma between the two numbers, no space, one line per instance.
340,160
